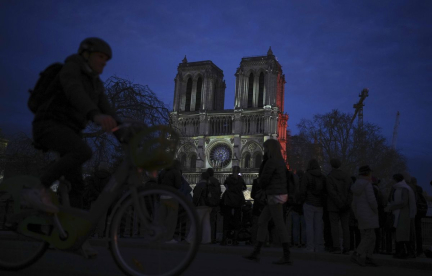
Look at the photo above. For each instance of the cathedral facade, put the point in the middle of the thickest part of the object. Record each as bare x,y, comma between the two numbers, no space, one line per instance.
212,136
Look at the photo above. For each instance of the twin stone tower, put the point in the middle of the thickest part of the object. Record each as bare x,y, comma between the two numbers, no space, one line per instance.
218,138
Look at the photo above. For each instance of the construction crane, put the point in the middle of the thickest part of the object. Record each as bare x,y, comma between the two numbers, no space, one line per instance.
395,131
359,108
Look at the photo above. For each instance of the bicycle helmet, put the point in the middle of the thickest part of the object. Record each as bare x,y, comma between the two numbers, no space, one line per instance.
94,44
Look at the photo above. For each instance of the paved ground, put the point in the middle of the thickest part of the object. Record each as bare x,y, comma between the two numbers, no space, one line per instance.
215,260
227,260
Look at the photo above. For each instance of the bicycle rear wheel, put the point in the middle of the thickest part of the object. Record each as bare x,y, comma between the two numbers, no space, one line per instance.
161,244
16,250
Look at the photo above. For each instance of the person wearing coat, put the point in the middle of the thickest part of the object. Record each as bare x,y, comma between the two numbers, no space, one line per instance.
169,207
339,205
313,188
403,206
274,183
199,199
213,214
365,209
232,200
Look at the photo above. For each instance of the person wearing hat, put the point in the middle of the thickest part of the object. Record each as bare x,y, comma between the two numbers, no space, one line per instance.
78,97
365,209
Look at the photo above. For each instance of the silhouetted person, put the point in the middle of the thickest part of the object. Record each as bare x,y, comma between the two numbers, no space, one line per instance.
313,190
273,181
339,205
233,199
365,208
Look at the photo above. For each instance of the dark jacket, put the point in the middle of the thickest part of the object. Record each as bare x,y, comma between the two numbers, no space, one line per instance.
233,195
339,191
171,177
199,193
79,95
214,182
273,177
313,187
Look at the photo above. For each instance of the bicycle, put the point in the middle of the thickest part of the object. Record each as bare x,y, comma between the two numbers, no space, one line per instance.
136,232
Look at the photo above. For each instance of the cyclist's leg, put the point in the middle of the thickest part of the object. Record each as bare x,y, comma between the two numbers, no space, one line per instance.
73,151
74,176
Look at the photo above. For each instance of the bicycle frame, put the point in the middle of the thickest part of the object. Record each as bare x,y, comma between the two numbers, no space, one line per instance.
72,226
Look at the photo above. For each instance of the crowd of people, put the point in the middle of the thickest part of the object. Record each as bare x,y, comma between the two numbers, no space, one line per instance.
333,212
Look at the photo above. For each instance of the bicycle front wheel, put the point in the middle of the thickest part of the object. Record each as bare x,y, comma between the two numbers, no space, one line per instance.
164,241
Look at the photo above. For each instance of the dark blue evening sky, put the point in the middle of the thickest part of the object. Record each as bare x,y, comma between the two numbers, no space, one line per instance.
329,52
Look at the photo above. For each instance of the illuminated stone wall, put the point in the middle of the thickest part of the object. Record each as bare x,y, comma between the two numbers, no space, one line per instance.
212,136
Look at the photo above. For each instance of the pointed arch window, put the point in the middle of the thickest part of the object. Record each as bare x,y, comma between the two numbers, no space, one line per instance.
188,94
261,90
198,94
247,160
250,91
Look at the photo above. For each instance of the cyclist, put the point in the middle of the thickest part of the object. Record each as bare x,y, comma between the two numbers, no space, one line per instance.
78,98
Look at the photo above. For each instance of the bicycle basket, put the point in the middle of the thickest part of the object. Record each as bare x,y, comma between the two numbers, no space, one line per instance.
154,148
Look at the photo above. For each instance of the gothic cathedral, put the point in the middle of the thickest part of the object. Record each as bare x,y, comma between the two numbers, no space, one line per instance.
212,136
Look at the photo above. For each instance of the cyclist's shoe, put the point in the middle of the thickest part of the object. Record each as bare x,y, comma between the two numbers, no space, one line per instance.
40,199
87,251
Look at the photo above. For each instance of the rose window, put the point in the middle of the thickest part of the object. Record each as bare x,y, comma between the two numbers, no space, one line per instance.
220,156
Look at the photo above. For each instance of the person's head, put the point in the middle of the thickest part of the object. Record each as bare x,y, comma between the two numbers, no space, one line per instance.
96,52
335,163
365,171
205,176
235,170
313,165
398,177
210,171
272,148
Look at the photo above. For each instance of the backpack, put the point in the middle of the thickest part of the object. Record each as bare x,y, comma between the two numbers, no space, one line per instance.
44,88
213,195
200,196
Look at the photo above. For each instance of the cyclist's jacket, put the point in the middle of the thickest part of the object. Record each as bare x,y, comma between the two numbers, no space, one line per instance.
78,96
